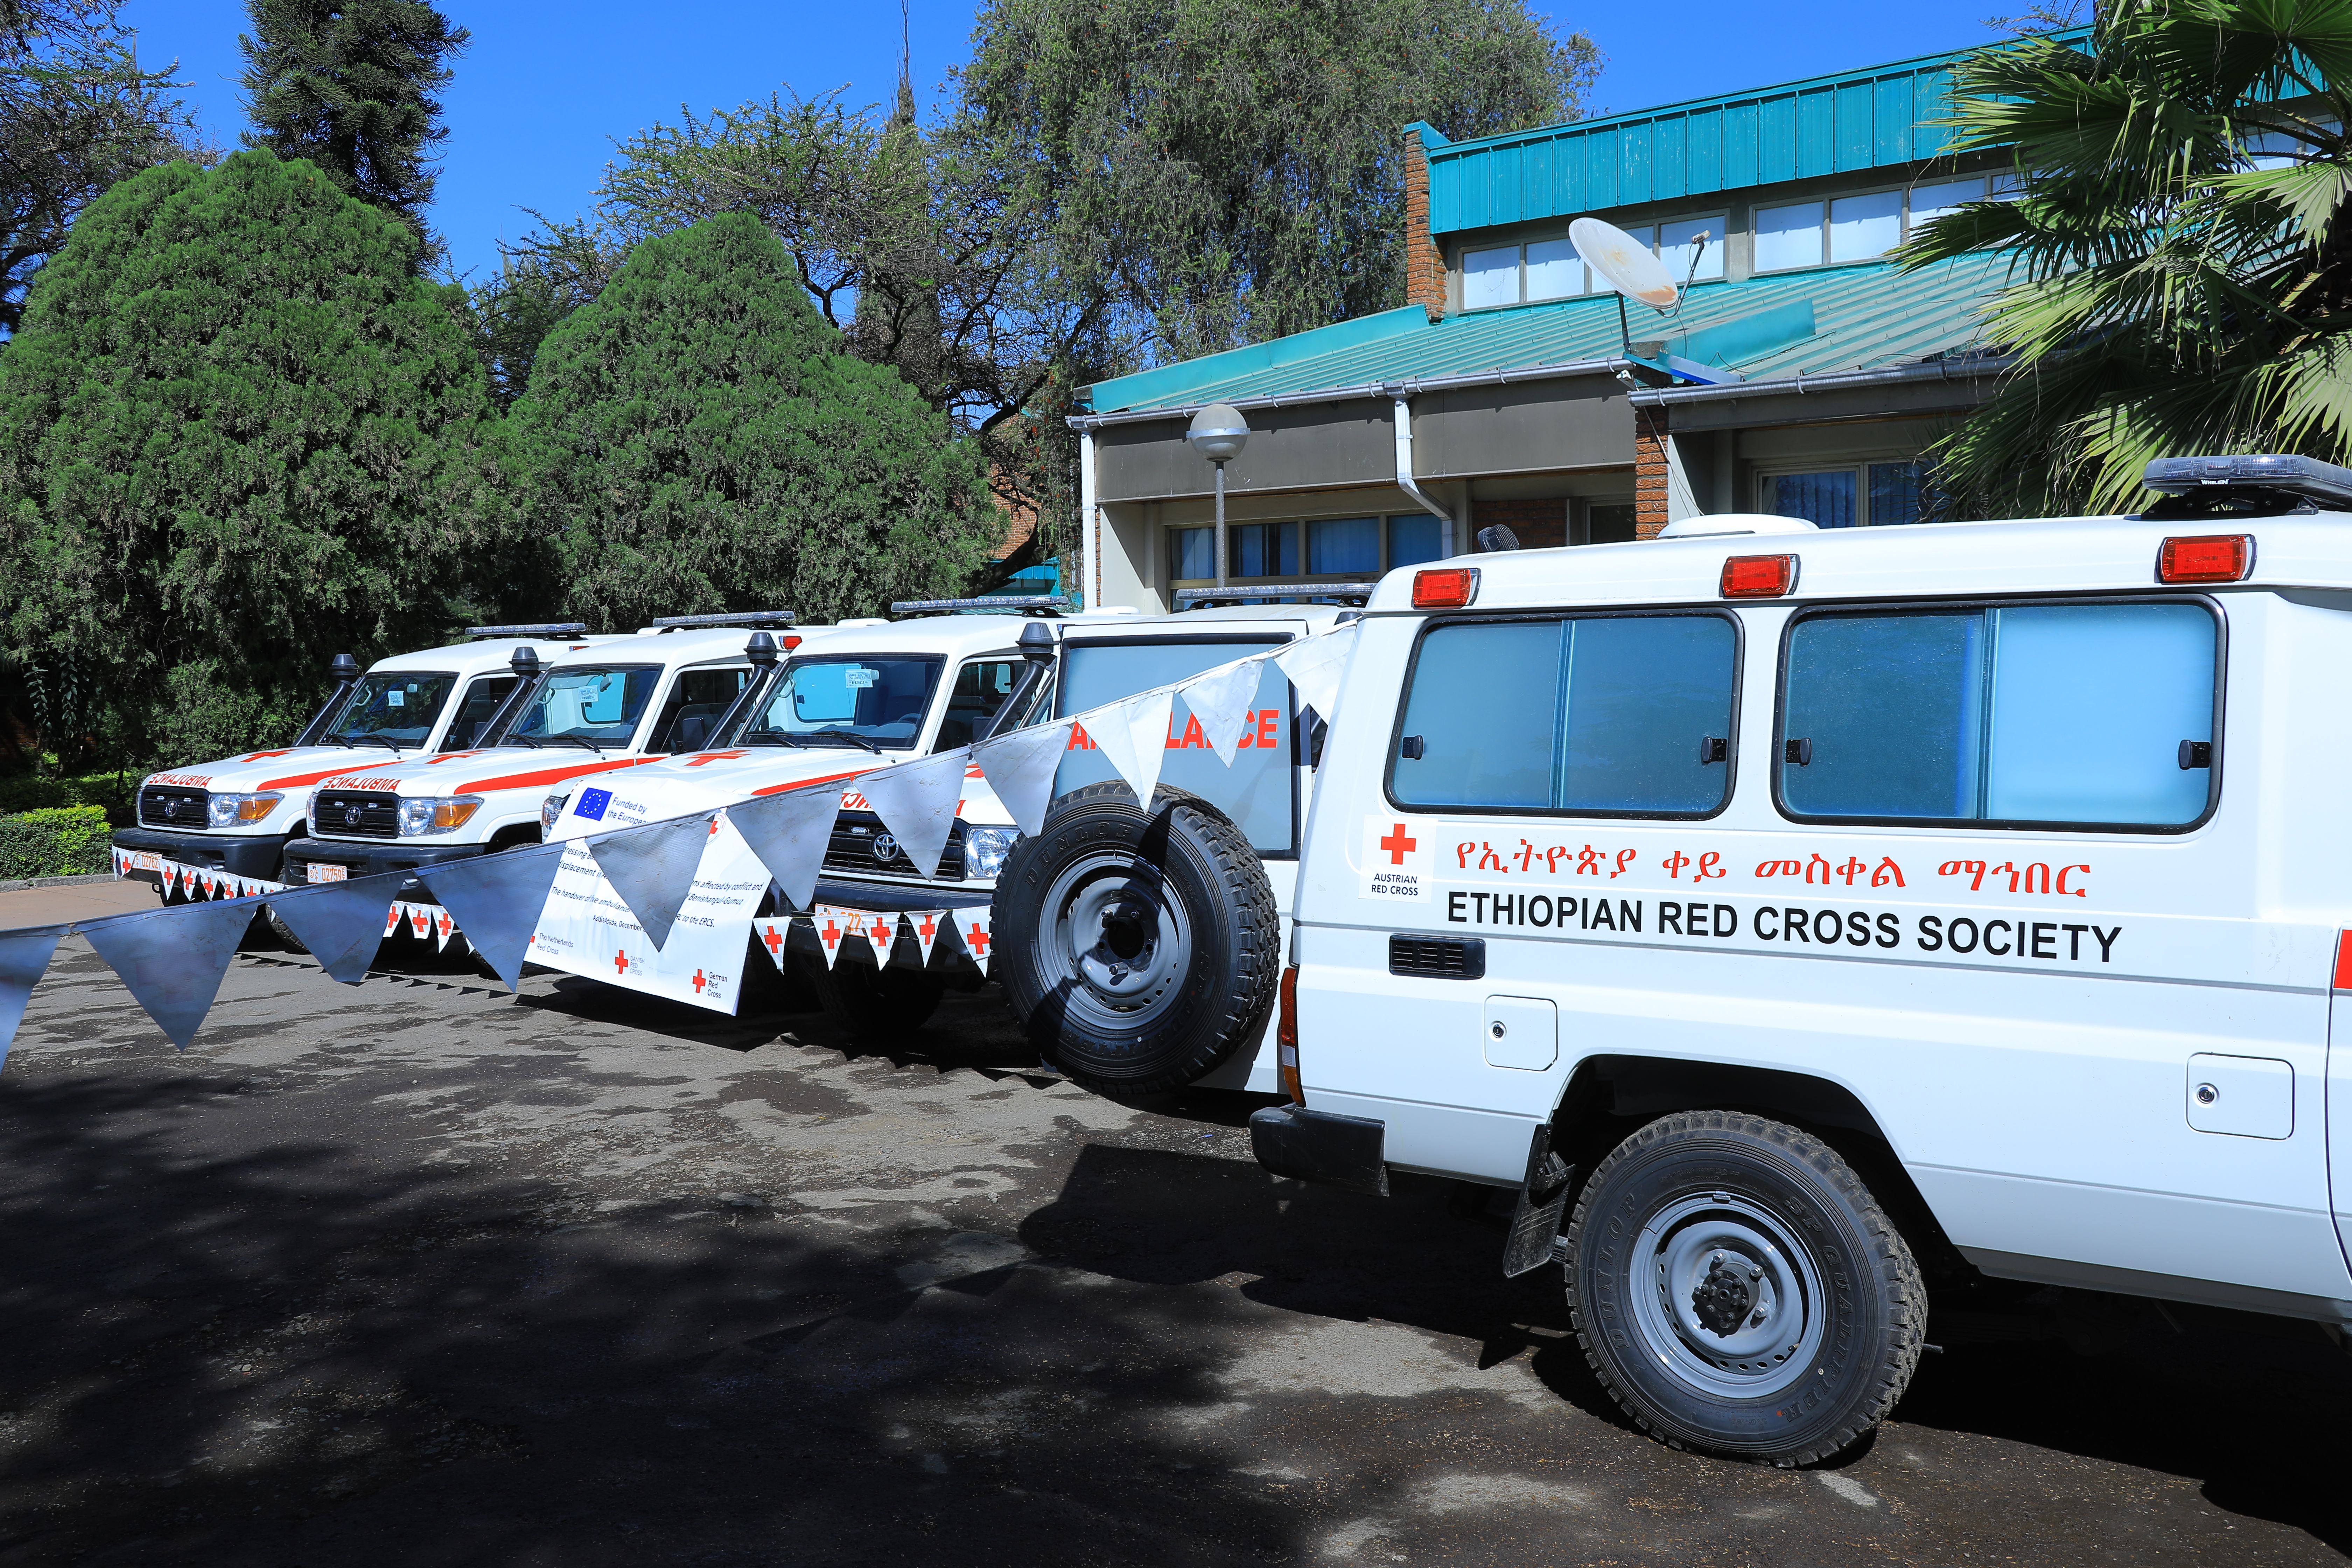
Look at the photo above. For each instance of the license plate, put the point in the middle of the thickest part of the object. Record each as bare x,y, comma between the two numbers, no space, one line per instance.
323,873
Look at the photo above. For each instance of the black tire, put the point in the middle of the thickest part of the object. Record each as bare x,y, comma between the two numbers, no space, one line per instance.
1699,1222
1138,949
880,1006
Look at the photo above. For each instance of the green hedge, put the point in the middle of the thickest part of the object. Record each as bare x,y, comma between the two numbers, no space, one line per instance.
63,841
33,792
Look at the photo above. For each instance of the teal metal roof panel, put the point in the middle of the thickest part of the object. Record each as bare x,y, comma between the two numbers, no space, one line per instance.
1858,120
1862,317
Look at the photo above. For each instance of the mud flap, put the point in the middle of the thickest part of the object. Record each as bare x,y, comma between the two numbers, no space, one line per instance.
1535,1228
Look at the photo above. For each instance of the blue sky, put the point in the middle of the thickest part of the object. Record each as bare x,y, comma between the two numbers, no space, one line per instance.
545,88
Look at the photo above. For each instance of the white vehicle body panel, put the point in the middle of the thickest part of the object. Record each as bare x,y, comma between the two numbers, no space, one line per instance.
2040,1088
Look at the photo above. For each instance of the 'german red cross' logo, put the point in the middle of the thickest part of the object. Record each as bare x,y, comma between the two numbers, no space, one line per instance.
775,943
1397,845
621,963
698,983
976,937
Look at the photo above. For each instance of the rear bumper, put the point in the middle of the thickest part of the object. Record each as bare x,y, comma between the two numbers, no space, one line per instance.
360,858
1319,1146
256,856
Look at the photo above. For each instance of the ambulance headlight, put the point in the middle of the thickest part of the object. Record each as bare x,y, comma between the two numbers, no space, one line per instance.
550,809
984,850
228,810
428,815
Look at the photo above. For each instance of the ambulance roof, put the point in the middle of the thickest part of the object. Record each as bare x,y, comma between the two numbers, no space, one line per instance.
2037,555
1228,617
957,637
473,658
714,646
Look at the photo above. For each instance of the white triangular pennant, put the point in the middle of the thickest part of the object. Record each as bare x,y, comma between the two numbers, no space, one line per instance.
917,802
925,924
172,959
651,869
1019,767
971,928
880,931
395,915
420,920
833,928
1315,666
789,832
446,929
773,933
1221,699
24,957
1133,738
170,877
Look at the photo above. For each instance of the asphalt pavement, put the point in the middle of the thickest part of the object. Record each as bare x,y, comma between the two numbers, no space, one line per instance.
416,1271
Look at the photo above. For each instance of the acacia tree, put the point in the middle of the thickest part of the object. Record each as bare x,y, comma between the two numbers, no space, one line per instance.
349,85
236,438
2184,284
699,439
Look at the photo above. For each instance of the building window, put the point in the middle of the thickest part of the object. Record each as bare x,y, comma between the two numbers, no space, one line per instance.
1788,237
1414,540
1551,270
1355,547
1490,278
1865,225
1864,495
1554,270
1608,522
1265,550
1193,552
1343,545
1679,246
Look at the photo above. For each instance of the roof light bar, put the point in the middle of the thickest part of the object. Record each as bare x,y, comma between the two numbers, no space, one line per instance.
1258,594
1445,588
1759,576
2307,477
735,618
2212,558
1027,603
543,629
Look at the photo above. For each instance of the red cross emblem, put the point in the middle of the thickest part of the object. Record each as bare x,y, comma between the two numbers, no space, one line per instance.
775,943
1397,844
420,923
976,938
443,923
831,933
880,933
620,963
929,929
698,983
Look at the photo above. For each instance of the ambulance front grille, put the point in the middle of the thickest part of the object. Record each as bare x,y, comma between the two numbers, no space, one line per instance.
1437,957
853,848
357,814
182,808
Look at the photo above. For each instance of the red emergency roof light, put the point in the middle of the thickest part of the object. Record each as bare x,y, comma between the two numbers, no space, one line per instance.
791,643
1758,576
1445,588
2211,558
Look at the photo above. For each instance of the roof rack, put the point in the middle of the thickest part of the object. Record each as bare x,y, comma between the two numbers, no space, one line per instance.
1026,603
539,630
1209,598
733,618
2271,481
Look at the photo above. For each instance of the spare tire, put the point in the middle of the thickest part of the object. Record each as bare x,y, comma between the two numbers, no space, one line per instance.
1138,949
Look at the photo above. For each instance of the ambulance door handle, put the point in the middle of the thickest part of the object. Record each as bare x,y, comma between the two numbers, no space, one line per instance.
2196,755
1800,752
1713,749
1411,746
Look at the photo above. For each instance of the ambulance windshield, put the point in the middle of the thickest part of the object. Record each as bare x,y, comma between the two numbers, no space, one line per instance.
395,708
874,703
594,708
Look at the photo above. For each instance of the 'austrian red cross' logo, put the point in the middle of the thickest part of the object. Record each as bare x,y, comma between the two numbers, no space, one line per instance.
1397,845
621,963
775,943
698,983
975,936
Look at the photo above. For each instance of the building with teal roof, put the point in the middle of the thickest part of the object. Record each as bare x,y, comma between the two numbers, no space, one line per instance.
1511,391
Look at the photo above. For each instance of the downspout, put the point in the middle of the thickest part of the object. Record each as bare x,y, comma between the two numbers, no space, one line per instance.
1089,526
1402,393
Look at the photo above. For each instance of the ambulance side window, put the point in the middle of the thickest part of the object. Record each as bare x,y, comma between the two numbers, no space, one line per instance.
2081,714
1600,715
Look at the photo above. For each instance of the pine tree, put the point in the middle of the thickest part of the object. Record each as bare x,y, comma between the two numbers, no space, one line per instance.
237,436
350,85
698,440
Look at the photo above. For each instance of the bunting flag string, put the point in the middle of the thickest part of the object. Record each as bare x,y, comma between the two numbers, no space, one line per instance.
172,958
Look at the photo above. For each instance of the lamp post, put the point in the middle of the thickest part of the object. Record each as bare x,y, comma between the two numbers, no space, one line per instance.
1219,433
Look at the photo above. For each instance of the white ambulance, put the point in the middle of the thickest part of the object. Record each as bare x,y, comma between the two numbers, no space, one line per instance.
620,703
233,818
1842,919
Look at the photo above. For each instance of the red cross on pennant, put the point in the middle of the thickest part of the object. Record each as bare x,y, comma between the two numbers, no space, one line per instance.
1397,845
698,983
775,941
929,929
621,963
880,934
831,934
442,925
975,937
419,921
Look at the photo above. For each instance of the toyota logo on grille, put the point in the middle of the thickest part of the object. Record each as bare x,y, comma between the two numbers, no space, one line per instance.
886,847
351,816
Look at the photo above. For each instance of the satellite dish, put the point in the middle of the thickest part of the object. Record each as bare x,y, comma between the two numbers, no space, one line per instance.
1623,262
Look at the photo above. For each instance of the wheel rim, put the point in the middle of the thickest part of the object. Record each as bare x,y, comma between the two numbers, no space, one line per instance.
1727,1295
1117,946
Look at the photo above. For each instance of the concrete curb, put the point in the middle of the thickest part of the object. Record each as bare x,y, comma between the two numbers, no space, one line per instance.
21,884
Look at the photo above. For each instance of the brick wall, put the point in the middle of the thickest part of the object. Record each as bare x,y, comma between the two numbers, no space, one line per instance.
1540,524
1425,263
1649,472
